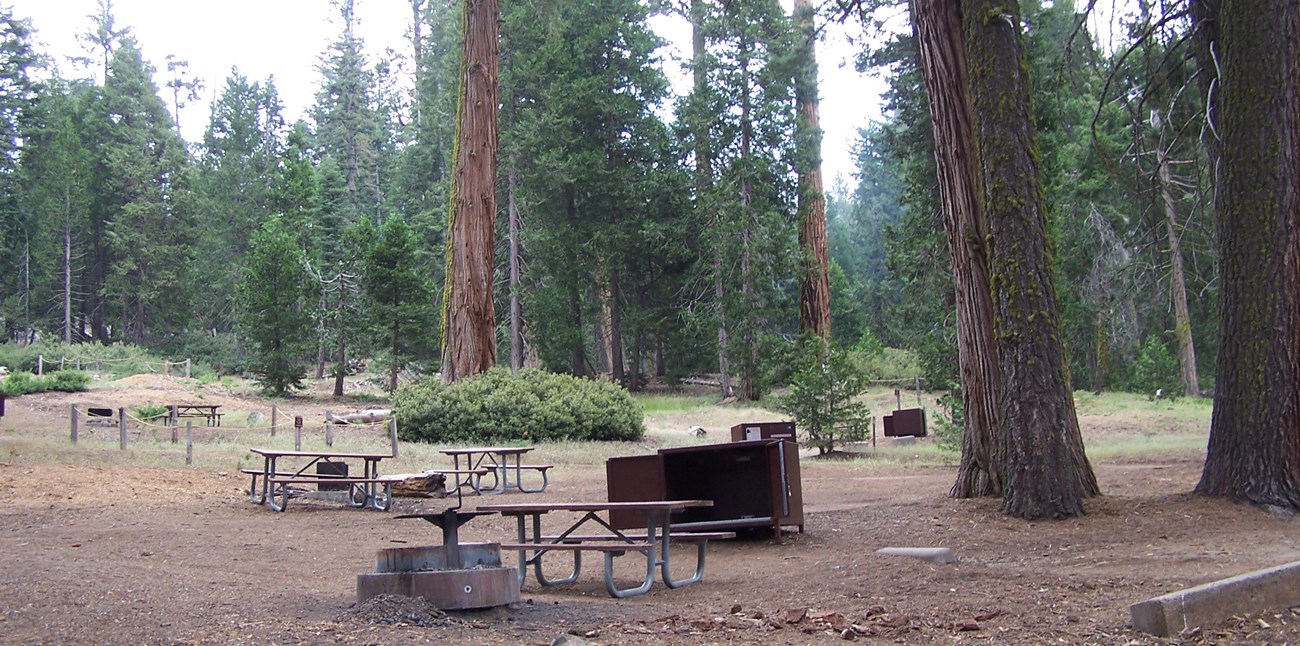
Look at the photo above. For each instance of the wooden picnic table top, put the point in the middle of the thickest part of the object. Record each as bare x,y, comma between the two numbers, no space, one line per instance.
544,507
194,407
279,453
499,450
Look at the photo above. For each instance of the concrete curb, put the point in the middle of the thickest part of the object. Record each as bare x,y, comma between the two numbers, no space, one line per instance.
931,554
1209,604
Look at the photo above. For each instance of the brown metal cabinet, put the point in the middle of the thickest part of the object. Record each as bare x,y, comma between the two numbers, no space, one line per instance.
905,422
753,483
763,431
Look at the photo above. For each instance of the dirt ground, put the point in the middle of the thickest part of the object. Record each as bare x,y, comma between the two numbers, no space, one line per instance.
105,551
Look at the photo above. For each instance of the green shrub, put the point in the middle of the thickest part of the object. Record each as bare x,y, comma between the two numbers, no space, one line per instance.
527,406
1154,369
22,383
19,383
949,424
69,381
822,397
150,411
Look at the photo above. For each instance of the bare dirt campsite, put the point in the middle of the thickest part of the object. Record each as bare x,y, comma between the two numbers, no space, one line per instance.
104,546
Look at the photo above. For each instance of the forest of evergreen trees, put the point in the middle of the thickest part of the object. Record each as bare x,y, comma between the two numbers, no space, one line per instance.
622,252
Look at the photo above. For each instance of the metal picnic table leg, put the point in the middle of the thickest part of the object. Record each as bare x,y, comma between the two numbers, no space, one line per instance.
665,547
650,562
268,471
523,538
537,556
270,491
378,502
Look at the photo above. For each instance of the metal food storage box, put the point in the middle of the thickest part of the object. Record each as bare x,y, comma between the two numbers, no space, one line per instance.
752,483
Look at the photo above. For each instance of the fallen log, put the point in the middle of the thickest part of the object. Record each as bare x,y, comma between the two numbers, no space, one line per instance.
358,417
429,484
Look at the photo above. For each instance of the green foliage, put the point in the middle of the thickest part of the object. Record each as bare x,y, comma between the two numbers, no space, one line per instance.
527,406
274,300
949,424
1155,368
67,381
822,397
885,364
150,411
117,359
19,383
401,301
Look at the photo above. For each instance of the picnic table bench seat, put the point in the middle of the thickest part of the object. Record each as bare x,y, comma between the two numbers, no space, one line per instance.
684,537
540,468
612,546
357,494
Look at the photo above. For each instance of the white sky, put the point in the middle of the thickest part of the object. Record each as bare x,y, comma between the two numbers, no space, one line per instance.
285,38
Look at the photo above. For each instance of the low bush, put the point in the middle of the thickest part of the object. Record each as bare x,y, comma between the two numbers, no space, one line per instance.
823,397
527,406
69,381
22,383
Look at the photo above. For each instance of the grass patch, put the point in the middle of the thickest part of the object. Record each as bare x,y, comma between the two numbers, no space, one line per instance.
1136,446
660,404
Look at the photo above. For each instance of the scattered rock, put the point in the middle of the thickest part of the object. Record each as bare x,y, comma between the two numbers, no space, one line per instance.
892,620
795,615
740,623
570,640
836,621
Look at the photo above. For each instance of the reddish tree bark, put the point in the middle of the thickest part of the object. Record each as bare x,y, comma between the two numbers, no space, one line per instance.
937,25
468,317
815,286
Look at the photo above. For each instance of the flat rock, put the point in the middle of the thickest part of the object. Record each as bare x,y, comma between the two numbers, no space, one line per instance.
931,554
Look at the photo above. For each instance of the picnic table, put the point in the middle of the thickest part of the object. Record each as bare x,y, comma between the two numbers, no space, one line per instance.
210,412
500,461
367,490
655,543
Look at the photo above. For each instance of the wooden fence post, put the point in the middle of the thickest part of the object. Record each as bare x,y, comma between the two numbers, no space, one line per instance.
74,423
275,418
121,428
189,442
297,438
392,433
329,434
187,368
175,429
40,365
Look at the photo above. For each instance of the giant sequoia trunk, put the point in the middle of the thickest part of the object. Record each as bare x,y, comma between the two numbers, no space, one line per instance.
1045,472
468,318
1254,448
814,287
937,24
704,184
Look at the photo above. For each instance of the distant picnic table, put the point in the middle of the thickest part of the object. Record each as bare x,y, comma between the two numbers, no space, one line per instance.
367,490
209,412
